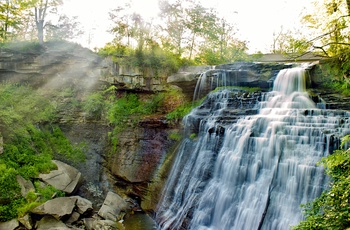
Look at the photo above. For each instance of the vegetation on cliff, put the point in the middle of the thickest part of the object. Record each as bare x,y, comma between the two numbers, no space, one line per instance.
190,35
331,210
30,142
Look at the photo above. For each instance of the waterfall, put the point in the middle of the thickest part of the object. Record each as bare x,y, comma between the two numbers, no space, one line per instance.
251,171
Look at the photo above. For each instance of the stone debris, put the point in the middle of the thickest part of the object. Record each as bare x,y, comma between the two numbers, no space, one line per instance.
66,178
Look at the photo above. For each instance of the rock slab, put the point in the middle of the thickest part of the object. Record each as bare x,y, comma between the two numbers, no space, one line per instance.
112,207
66,178
58,207
49,222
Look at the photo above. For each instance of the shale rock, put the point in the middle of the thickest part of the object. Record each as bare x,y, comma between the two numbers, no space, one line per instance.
58,207
66,178
49,222
113,207
93,224
9,225
26,221
83,205
26,185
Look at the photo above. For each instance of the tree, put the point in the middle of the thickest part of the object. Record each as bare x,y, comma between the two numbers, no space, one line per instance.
11,14
219,43
290,42
131,28
41,9
173,16
199,22
329,24
66,28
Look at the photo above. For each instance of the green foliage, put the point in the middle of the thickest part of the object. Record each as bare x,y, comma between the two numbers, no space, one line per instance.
30,143
46,192
40,196
10,210
175,136
126,108
158,60
23,46
63,149
95,105
20,106
10,187
338,71
332,209
215,56
24,208
179,112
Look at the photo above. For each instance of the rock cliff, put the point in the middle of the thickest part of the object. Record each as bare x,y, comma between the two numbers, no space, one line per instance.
140,166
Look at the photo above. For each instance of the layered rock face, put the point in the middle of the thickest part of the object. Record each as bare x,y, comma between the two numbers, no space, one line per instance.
140,151
52,66
143,149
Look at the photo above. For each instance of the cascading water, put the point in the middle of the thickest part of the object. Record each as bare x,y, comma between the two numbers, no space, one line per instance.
251,172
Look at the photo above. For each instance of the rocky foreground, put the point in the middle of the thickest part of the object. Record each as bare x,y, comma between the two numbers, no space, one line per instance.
71,211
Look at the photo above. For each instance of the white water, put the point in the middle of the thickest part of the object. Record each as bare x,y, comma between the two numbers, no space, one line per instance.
255,175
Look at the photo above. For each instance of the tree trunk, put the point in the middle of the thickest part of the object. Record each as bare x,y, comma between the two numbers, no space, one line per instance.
192,45
40,14
40,28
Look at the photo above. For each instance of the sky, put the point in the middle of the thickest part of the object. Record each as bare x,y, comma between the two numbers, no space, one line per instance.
256,20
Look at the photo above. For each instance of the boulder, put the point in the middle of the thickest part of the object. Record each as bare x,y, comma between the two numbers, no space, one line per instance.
9,225
26,185
105,225
96,224
58,207
73,218
83,205
26,221
49,222
112,207
66,178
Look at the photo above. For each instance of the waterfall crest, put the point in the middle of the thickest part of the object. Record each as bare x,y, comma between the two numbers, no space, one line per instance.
251,172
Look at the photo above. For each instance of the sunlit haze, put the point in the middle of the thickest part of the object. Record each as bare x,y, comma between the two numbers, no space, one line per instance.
255,20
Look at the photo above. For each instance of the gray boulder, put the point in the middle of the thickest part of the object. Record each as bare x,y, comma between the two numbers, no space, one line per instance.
49,222
73,218
83,205
58,207
9,225
66,178
113,207
26,185
96,224
26,221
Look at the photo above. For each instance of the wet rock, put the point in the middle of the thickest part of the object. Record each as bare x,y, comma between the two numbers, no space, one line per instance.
105,225
97,224
9,225
113,207
58,207
66,178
